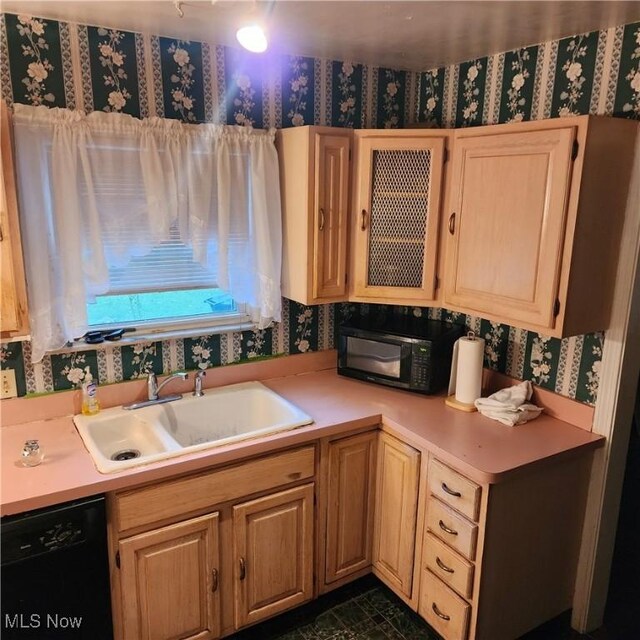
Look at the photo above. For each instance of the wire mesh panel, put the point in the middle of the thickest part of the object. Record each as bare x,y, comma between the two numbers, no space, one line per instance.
398,219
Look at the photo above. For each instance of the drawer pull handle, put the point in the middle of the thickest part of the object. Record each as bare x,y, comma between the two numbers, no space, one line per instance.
439,613
321,219
443,566
363,224
452,223
446,529
243,569
214,580
451,492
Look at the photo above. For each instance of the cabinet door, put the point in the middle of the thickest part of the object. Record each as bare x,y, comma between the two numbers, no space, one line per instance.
13,300
506,229
273,554
396,217
396,513
169,582
350,505
330,223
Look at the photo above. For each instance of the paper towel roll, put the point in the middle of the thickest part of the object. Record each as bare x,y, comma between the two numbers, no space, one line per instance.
468,369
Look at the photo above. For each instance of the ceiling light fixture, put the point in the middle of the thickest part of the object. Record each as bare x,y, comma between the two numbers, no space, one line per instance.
252,37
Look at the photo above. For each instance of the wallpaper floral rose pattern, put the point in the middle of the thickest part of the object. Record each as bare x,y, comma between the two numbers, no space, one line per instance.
62,64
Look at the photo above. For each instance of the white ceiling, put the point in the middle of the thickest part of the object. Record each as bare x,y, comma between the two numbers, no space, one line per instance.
415,35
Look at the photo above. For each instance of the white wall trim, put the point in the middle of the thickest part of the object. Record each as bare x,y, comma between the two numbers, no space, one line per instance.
612,418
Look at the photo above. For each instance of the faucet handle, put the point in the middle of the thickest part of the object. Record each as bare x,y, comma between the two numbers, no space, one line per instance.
197,387
152,386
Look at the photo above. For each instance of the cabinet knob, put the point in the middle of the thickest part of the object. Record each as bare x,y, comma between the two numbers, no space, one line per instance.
439,613
243,569
321,219
214,580
452,223
363,224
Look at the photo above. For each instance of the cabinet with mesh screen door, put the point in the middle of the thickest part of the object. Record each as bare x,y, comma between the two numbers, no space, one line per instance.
397,195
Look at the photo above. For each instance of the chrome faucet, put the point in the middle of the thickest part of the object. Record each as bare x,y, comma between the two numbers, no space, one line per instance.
197,387
153,391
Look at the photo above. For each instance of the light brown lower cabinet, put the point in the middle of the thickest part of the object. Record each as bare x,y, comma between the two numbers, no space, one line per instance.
273,551
477,561
498,560
170,580
202,555
394,539
350,503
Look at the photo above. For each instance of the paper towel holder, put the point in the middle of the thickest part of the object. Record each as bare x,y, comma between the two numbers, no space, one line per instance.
451,401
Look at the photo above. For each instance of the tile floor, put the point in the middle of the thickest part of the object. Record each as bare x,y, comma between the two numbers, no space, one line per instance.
367,610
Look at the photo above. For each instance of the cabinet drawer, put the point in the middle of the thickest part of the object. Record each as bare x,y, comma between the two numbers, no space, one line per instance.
448,565
445,611
173,498
454,489
454,529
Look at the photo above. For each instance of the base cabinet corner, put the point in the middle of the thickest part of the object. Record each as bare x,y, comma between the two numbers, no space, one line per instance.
394,538
351,474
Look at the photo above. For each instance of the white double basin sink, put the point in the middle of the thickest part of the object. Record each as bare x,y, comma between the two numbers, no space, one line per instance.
118,439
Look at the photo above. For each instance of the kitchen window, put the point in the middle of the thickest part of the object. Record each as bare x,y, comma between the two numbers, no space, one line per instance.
153,224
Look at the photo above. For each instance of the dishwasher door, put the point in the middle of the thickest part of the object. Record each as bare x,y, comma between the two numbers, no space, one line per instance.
55,575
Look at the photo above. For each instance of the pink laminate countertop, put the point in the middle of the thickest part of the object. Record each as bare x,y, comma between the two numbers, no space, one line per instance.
481,448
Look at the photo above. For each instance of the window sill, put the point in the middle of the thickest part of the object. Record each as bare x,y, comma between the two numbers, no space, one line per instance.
159,335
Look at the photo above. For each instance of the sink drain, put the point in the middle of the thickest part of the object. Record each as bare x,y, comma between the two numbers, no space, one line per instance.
125,454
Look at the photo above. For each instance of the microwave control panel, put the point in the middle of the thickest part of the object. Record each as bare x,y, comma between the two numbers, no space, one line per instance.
420,366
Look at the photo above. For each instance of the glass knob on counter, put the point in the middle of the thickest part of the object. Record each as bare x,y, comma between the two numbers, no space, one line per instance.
32,453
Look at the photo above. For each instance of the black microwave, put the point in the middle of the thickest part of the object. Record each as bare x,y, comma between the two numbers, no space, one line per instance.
403,351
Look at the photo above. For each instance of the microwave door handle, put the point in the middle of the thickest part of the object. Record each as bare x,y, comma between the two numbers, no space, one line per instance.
384,358
374,356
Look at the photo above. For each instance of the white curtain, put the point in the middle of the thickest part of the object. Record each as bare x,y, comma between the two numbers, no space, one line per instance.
96,190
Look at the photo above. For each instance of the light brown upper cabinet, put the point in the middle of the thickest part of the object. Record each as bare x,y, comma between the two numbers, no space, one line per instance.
398,187
314,180
14,321
536,213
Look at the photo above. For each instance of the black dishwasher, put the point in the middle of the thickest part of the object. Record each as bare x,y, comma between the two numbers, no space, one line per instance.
55,574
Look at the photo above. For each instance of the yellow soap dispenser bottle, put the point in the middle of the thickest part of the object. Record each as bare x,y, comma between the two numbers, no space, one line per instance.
90,404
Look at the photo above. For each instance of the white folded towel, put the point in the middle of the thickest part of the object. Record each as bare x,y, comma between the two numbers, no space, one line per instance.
510,405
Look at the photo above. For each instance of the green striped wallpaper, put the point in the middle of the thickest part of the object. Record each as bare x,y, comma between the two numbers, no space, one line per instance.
144,75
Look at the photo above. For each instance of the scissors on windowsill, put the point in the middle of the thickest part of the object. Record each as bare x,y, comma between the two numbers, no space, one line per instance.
99,336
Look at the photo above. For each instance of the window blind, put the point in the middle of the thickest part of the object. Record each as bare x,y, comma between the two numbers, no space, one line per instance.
169,265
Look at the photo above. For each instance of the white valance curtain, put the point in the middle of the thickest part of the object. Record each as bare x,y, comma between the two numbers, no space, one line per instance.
98,189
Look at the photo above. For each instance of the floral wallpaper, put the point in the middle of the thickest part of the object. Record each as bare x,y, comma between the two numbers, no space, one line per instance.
472,78
70,65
